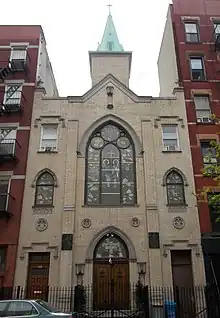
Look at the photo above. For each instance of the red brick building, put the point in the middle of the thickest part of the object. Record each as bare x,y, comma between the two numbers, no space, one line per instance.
24,64
190,58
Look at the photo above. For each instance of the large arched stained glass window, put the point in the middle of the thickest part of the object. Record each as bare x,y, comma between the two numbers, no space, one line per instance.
110,167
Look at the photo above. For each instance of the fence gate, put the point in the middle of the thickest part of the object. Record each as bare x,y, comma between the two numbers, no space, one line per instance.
111,300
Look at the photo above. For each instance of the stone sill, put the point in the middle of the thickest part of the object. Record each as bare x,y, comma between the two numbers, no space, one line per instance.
171,151
47,152
110,206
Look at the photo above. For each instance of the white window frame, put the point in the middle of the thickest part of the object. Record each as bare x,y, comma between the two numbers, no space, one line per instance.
53,148
19,92
169,148
6,178
216,27
14,139
197,31
201,59
202,119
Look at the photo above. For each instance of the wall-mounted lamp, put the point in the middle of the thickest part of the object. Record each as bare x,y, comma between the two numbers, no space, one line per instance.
80,269
141,268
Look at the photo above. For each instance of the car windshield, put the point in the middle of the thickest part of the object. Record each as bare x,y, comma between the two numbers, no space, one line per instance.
47,306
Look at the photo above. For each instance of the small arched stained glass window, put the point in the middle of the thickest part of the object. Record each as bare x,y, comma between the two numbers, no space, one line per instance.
110,168
44,189
110,247
175,189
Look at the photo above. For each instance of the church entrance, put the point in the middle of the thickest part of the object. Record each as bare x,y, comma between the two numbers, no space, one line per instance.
111,274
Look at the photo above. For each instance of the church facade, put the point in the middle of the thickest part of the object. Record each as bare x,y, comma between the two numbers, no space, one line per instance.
109,181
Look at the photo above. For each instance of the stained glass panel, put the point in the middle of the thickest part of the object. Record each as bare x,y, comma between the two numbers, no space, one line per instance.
111,247
174,177
110,168
44,195
175,194
45,178
175,189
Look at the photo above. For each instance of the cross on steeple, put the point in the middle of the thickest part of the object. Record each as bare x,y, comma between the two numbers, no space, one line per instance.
109,6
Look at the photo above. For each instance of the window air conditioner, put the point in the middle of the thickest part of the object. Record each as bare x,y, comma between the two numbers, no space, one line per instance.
171,148
204,120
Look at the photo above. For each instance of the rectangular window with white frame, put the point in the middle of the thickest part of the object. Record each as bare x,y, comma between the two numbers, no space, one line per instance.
4,193
170,138
217,29
49,134
7,140
192,32
13,94
203,110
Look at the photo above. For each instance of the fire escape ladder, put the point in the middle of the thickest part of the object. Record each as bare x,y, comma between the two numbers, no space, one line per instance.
10,92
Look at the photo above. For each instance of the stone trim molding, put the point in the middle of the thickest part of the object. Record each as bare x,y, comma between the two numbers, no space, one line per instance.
50,119
195,247
115,119
168,120
44,246
97,237
33,185
176,170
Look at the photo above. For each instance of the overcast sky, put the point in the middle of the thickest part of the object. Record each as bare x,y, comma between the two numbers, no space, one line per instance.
73,27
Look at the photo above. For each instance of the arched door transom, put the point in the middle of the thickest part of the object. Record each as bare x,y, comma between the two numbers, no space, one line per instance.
109,247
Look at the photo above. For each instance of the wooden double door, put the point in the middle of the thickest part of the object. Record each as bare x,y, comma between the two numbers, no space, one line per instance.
111,285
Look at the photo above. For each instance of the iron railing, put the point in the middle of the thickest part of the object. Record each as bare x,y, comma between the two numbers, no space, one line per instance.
8,148
135,301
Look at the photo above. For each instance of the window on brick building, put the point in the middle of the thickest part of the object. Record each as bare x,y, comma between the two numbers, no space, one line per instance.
197,68
49,138
214,210
217,29
203,111
170,138
208,153
2,258
192,32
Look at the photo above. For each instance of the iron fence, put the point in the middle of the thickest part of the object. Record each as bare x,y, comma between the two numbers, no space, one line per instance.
112,300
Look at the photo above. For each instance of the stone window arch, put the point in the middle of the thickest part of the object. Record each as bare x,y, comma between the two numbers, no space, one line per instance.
110,167
44,188
175,186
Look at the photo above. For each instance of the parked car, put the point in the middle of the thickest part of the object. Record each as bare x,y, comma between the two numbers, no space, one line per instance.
29,308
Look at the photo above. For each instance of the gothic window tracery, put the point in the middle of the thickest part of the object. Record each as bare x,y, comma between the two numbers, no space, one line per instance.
110,167
110,247
175,189
44,190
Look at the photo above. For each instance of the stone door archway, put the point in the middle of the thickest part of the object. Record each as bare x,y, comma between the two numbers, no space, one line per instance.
110,273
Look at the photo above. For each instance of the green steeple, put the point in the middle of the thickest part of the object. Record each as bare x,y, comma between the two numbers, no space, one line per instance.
110,41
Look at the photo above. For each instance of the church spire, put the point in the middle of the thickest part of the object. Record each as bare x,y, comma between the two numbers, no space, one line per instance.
110,41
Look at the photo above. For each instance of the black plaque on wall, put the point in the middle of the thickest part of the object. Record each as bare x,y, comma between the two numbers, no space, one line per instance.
67,242
154,240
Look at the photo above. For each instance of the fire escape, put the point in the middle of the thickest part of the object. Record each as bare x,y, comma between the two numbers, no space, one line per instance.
13,96
15,68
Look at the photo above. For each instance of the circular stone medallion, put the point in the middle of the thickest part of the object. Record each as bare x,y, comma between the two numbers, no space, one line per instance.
86,223
178,222
135,222
41,225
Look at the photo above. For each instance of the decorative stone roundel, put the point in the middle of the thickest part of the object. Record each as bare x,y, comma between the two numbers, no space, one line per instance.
41,225
86,223
178,222
135,222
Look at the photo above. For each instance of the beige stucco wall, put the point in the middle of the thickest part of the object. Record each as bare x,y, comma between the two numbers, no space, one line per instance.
142,117
167,63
